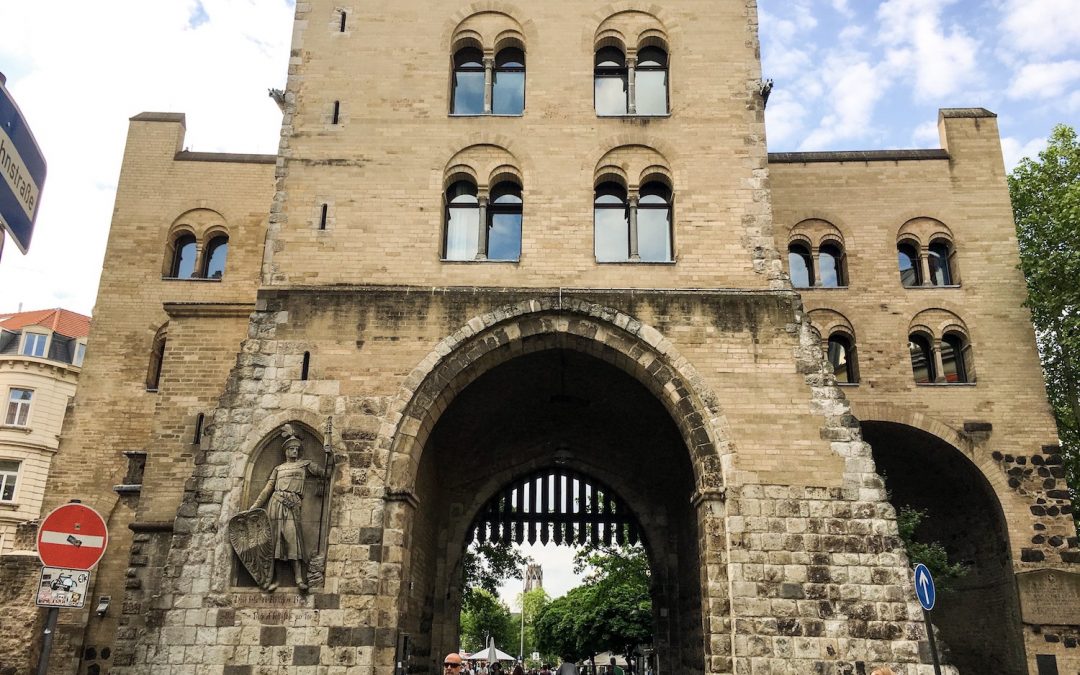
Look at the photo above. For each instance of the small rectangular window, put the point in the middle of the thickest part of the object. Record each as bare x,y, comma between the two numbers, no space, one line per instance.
18,411
322,216
342,29
337,113
34,344
80,354
9,476
1047,664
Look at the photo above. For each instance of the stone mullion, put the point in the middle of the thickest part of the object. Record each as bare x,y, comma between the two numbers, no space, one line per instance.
924,267
631,86
482,227
939,365
635,255
489,79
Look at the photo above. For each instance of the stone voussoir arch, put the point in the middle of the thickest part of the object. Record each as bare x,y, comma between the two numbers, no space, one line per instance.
982,462
495,337
668,20
528,26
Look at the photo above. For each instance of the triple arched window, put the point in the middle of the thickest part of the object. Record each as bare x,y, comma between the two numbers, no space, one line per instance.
635,85
483,226
488,86
632,227
188,260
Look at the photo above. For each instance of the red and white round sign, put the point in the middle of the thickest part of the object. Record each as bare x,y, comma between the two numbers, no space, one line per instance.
73,536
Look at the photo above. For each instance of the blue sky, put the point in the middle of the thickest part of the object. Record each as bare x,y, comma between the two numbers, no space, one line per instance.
849,74
853,74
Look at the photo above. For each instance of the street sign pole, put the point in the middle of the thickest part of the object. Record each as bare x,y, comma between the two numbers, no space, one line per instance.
933,642
46,644
926,592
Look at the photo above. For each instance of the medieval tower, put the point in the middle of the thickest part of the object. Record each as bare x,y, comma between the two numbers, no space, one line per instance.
506,248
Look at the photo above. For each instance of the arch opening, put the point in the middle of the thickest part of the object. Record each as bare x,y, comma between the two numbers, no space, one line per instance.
555,418
978,613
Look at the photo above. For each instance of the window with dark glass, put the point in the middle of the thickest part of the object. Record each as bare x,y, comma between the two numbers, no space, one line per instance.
654,223
216,253
831,266
955,355
908,260
462,221
611,220
508,84
468,87
842,358
9,476
922,359
183,262
504,223
938,261
610,78
801,266
651,82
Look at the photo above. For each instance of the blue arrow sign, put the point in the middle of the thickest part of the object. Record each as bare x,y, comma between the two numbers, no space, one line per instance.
22,173
924,587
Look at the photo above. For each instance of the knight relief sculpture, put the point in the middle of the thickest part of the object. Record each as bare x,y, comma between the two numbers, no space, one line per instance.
287,520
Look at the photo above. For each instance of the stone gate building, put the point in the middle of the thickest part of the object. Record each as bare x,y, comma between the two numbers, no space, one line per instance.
504,245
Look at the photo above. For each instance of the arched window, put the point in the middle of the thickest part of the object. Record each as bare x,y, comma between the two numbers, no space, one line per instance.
214,257
801,265
922,358
842,358
183,260
831,266
908,260
468,86
956,358
610,78
938,260
508,85
462,221
654,223
611,220
651,82
157,360
504,223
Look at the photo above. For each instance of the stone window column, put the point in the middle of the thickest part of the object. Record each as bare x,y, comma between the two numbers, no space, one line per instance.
197,273
924,265
481,235
632,198
631,92
939,366
489,78
815,256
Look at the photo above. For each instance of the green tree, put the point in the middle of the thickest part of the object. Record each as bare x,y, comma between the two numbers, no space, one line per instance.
532,603
932,554
487,566
611,611
483,616
1046,205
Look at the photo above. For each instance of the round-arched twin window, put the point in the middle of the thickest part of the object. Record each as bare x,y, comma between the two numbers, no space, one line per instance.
469,95
500,236
611,77
632,231
939,267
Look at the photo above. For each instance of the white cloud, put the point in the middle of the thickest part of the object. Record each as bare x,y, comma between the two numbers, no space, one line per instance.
784,117
941,61
1043,27
926,135
78,79
1014,150
856,87
1045,80
841,6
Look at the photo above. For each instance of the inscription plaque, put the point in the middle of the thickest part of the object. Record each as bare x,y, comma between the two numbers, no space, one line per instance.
1049,597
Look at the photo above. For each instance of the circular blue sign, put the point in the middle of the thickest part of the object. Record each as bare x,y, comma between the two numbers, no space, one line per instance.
924,587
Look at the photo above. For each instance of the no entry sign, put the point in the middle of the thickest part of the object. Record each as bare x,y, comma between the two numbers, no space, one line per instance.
73,537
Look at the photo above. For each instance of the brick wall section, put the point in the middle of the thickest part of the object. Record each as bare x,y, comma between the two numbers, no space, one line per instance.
20,649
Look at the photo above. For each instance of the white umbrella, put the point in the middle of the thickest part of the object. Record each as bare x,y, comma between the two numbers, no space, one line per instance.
491,654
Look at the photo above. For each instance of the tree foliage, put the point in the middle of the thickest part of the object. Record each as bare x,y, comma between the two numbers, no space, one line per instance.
483,616
1046,205
932,554
487,566
611,611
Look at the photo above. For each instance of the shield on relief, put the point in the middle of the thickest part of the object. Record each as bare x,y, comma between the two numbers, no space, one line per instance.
249,534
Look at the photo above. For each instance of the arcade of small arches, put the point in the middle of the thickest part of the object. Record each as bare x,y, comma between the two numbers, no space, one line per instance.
197,246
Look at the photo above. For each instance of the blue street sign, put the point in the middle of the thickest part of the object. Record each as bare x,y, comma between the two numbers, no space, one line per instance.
22,168
924,587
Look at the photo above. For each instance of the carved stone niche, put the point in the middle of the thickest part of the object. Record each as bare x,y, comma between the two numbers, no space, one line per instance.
316,467
1049,597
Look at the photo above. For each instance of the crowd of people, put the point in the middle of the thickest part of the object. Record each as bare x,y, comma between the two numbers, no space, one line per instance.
453,664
